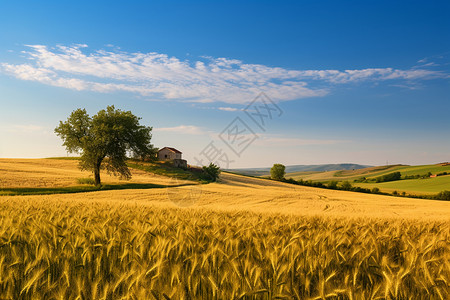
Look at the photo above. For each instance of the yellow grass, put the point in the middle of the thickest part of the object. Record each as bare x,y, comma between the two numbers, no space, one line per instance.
242,238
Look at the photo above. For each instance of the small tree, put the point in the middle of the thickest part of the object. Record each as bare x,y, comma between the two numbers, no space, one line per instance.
104,139
277,172
212,172
332,184
346,186
375,190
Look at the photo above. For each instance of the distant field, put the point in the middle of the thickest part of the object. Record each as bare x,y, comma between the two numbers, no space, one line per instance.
412,186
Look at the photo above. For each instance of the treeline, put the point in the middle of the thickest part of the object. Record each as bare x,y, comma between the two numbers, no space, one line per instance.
347,186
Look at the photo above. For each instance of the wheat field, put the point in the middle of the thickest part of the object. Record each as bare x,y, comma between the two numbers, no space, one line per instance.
240,238
39,173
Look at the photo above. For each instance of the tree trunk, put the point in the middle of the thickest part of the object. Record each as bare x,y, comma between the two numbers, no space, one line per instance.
97,174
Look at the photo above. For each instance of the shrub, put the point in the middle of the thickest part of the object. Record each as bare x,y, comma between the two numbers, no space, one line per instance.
444,195
211,172
332,184
361,190
291,180
375,190
346,186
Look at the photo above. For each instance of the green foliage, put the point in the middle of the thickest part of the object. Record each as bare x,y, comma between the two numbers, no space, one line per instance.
444,195
212,172
277,172
104,139
375,190
89,181
346,186
389,177
332,184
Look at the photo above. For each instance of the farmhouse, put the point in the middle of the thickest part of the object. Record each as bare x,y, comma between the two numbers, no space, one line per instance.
173,155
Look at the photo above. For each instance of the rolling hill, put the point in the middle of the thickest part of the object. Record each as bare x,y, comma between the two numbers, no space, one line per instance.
425,185
230,193
299,168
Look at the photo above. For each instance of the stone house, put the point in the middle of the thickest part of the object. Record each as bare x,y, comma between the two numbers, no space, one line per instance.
172,154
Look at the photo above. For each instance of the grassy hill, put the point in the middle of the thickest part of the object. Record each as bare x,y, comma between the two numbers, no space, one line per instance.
62,175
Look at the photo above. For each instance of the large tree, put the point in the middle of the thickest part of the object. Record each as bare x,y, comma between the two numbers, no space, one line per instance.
104,140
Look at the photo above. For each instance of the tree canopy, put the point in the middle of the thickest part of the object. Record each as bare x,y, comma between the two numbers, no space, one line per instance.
212,172
104,140
278,171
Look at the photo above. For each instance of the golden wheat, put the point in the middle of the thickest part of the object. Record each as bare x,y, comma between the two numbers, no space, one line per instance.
115,250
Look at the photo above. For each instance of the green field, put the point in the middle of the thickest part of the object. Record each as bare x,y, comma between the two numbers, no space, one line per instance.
409,186
412,186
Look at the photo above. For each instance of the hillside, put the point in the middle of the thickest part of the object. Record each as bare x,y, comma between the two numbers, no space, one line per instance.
299,168
232,192
63,175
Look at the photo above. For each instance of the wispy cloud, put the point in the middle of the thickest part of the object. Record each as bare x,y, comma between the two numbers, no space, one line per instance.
208,79
228,109
183,129
279,141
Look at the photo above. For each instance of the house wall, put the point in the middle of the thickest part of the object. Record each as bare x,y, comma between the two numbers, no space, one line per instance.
180,163
166,154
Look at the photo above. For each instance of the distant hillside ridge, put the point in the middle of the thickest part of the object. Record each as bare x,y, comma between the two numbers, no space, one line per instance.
301,168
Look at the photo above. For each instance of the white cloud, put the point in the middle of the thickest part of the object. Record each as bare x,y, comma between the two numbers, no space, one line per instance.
289,141
206,80
182,129
228,109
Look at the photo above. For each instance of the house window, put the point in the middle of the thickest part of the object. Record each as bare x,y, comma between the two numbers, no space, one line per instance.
165,156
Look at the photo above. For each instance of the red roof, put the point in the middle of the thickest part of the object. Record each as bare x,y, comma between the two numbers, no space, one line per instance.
171,149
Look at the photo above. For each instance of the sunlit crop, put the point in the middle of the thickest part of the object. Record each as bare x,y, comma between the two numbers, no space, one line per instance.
52,249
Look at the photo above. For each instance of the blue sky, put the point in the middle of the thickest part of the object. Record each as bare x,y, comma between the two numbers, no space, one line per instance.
355,81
